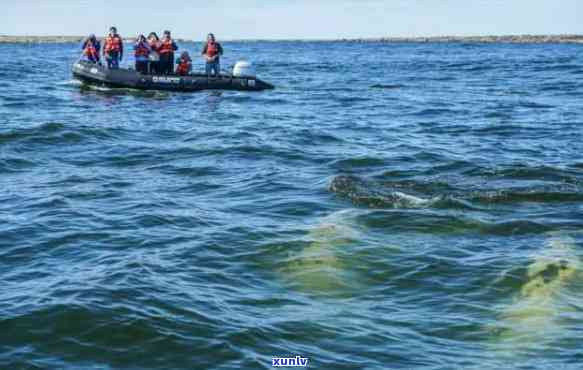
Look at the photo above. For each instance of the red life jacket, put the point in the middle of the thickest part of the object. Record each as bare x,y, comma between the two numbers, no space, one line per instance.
90,51
212,49
183,68
166,47
142,50
113,44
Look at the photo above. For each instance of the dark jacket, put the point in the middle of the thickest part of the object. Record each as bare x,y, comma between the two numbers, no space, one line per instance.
96,45
219,47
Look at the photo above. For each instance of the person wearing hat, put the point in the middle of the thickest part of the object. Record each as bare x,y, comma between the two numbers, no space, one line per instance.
113,49
212,52
166,51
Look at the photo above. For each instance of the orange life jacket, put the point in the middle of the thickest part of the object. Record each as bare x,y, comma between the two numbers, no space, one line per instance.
113,44
184,67
166,46
91,51
142,50
212,49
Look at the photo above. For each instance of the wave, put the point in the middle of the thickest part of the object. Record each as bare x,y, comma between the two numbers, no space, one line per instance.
194,172
355,163
423,194
534,105
350,101
471,66
562,86
558,175
434,222
55,133
564,67
365,193
432,112
532,195
94,331
38,131
11,165
505,130
387,87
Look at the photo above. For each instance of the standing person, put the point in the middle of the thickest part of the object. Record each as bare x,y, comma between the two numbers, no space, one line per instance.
142,54
113,49
212,52
154,42
166,50
91,48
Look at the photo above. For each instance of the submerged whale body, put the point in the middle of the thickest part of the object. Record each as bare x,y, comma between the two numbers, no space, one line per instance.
535,314
318,268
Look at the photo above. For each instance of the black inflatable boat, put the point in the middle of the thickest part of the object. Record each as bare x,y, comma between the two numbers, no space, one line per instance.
94,74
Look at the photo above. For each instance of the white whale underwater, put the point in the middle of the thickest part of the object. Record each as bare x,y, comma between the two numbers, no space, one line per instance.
319,267
535,316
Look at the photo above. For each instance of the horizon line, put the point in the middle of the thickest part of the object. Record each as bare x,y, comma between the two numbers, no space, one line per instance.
435,36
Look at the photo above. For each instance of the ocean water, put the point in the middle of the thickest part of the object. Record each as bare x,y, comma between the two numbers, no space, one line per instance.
388,206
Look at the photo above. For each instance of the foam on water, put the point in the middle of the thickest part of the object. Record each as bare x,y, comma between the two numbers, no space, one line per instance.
72,82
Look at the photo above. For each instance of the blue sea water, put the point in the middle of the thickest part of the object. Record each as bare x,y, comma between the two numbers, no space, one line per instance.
387,206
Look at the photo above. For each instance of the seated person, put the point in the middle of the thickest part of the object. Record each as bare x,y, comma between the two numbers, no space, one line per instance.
184,64
91,48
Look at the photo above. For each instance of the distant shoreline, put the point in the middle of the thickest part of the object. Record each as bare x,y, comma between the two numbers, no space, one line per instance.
509,39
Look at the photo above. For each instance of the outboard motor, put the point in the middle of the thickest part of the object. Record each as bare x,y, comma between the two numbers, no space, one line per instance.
244,68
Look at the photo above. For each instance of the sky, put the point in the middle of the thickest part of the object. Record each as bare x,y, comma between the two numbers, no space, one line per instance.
289,19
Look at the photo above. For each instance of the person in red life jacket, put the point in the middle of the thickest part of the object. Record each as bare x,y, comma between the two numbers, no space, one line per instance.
91,48
166,51
113,49
142,53
184,64
154,42
212,52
